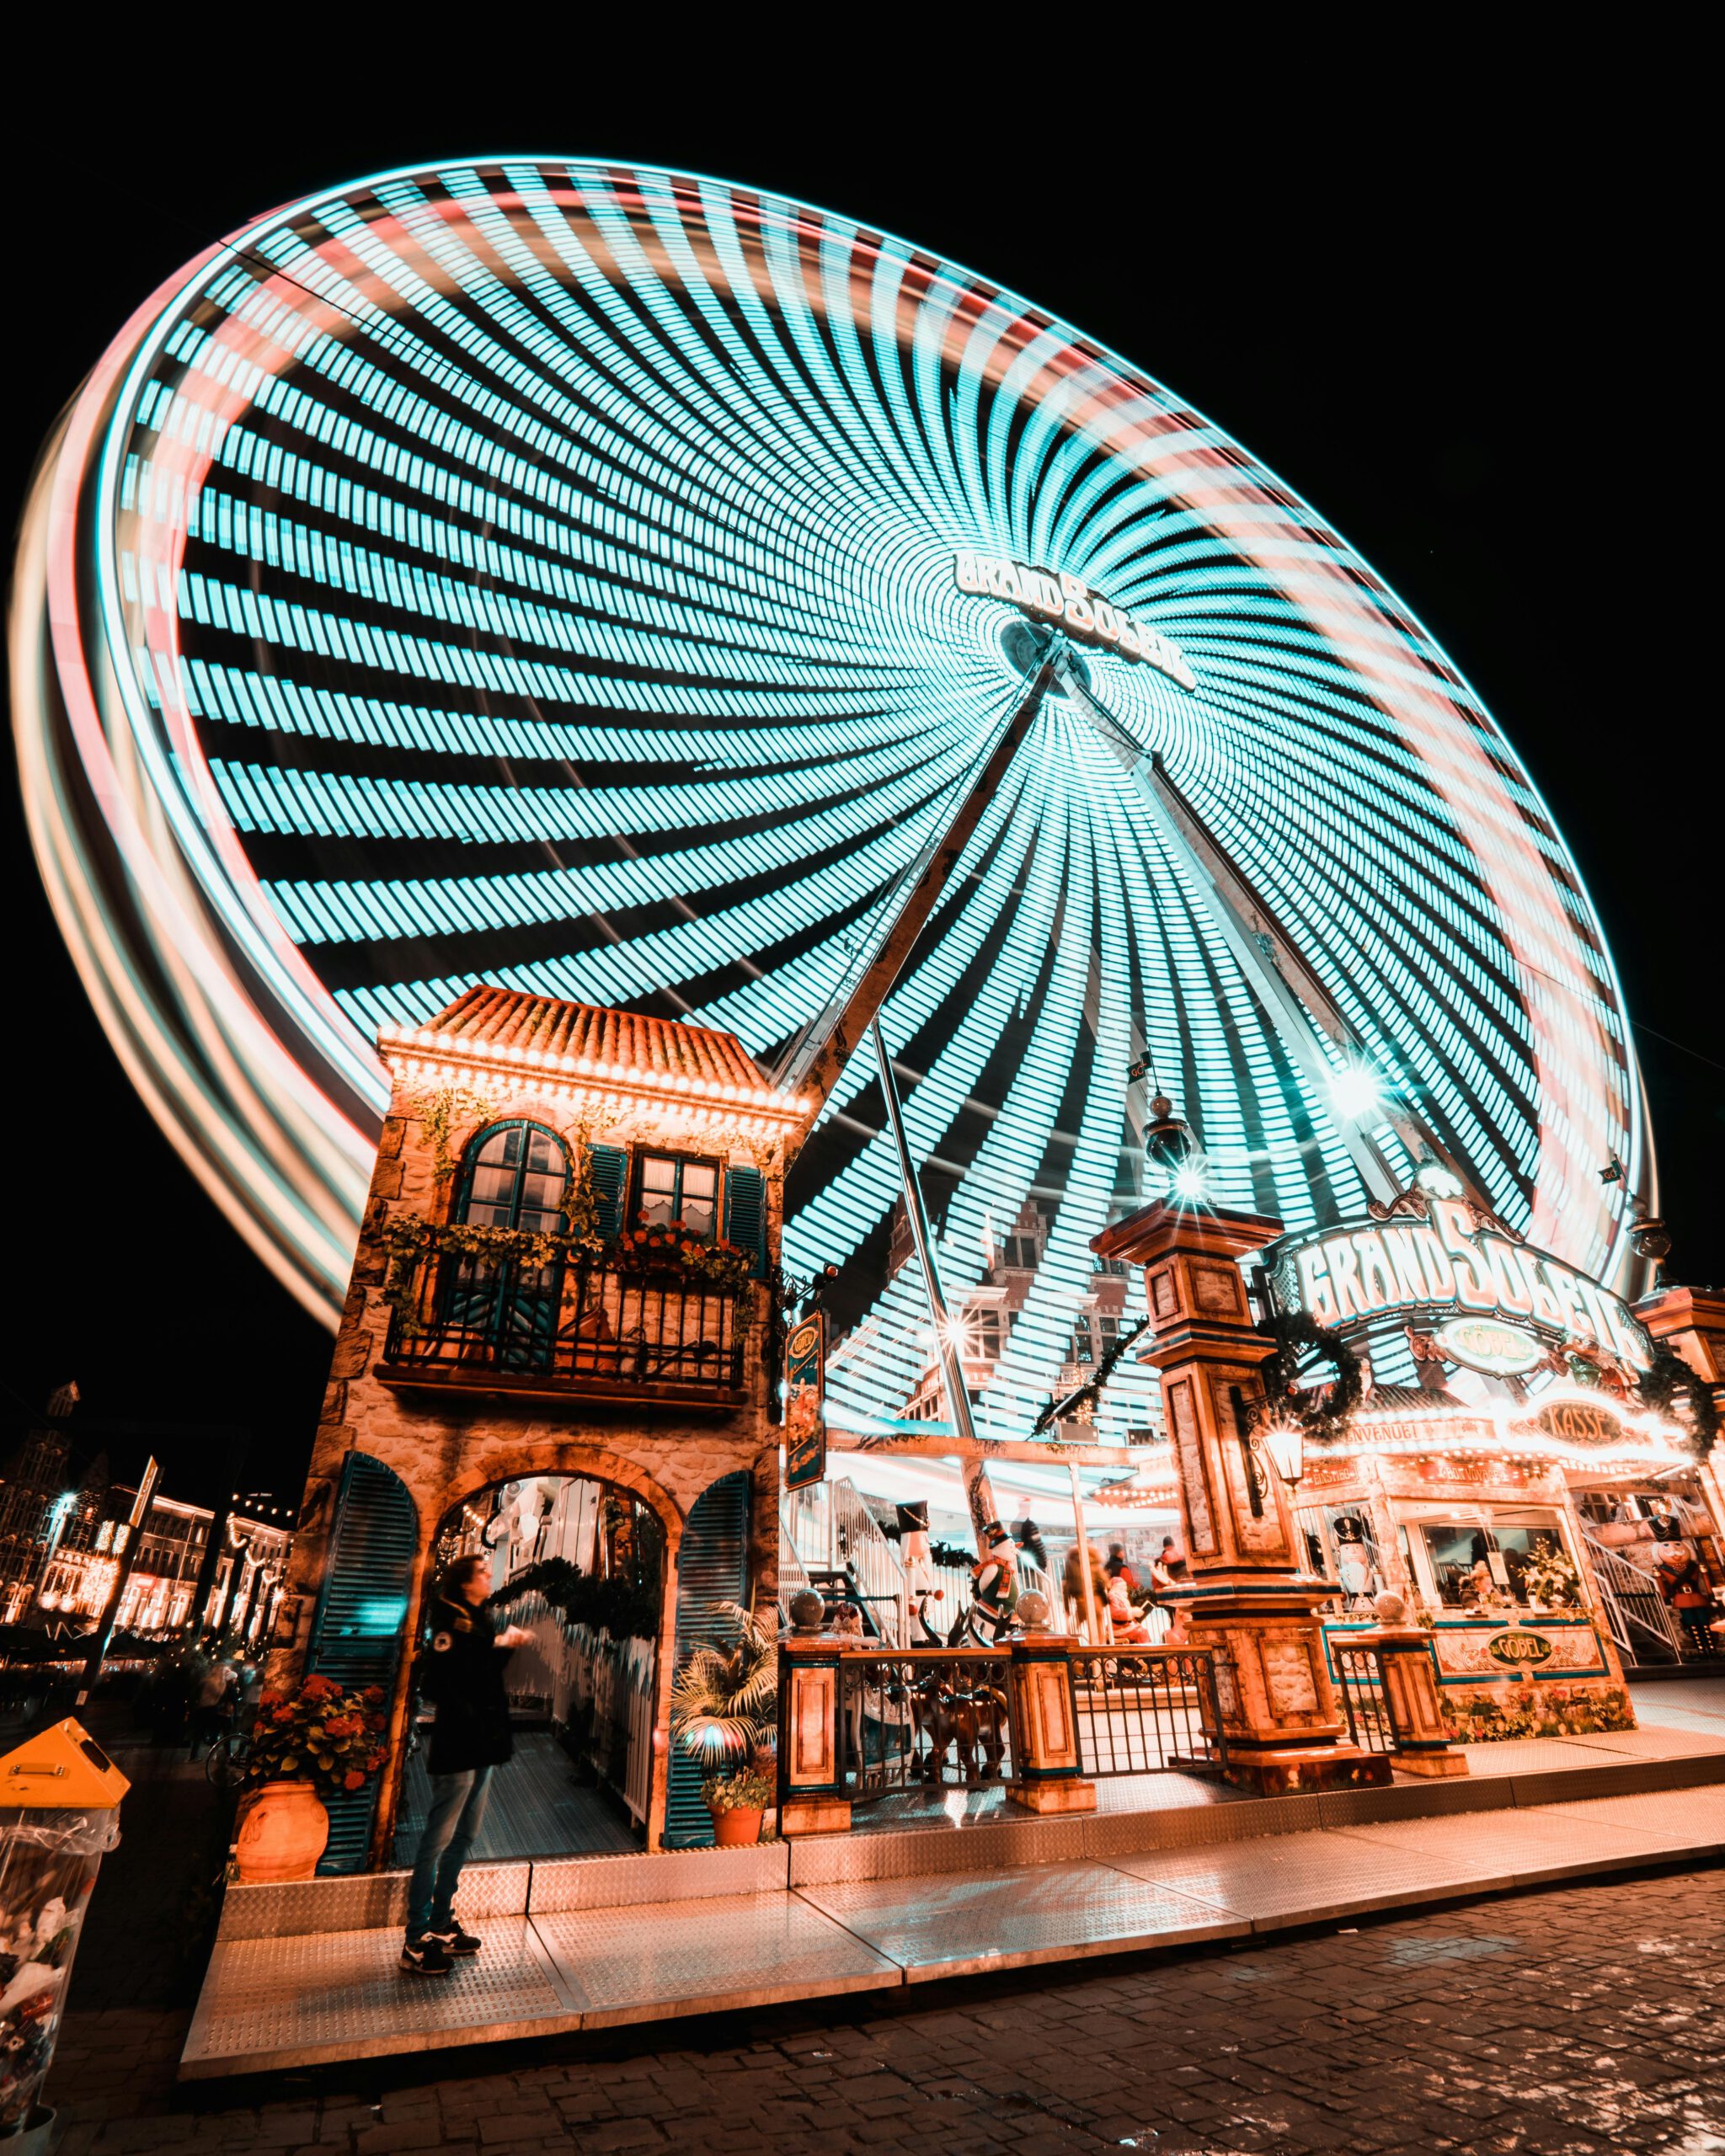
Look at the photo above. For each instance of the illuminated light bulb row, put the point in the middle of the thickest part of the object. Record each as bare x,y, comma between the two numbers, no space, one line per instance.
697,1118
586,1066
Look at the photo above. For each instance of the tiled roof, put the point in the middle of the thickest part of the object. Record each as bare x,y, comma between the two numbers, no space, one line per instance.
621,1040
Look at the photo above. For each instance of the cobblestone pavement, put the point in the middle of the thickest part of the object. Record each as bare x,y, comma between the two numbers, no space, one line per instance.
1578,2022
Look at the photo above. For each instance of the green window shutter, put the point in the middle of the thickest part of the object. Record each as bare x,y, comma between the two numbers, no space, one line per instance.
745,1215
609,1167
712,1567
358,1630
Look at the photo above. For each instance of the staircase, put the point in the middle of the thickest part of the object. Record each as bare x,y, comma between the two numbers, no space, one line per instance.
1645,1629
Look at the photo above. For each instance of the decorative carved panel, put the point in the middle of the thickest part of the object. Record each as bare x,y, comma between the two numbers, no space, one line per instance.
1194,1483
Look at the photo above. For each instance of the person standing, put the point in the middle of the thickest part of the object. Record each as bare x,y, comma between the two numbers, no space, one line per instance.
463,1679
213,1705
1119,1567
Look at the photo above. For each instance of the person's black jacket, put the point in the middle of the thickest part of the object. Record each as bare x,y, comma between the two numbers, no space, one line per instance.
461,1675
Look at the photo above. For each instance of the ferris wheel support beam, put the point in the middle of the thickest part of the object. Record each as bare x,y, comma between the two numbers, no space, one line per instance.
813,1064
1299,1005
978,1493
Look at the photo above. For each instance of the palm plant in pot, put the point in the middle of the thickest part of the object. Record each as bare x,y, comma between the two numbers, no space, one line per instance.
723,1712
316,1741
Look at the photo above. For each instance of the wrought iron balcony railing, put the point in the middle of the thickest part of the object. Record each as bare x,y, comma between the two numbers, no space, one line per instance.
586,1324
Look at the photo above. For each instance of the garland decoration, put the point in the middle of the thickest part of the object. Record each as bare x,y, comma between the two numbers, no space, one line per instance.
1323,1414
439,1111
628,1609
1659,1386
409,1239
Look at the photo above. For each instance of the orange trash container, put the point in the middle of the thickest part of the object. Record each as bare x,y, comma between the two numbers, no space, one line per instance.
59,1816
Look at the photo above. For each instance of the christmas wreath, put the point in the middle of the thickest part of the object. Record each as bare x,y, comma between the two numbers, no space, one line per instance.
1667,1377
1323,1413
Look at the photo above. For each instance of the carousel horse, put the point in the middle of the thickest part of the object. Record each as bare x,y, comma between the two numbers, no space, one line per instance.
965,1717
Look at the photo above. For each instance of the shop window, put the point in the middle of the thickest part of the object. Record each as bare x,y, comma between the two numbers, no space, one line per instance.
672,1190
1472,1563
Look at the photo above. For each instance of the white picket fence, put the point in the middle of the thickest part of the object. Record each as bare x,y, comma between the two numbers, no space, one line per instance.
571,1667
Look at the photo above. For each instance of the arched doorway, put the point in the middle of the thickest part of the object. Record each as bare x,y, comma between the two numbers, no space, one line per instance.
581,1564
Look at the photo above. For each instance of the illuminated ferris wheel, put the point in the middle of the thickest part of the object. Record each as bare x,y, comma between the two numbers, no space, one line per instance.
606,581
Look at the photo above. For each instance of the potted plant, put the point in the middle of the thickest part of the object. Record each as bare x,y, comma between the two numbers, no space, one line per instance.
724,1709
316,1741
739,1802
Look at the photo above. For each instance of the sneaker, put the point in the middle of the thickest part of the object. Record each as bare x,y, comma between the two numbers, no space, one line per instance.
455,1940
426,1958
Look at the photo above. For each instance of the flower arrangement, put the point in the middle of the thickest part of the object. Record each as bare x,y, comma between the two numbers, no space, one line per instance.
747,1790
672,1246
668,1248
321,1733
1549,1577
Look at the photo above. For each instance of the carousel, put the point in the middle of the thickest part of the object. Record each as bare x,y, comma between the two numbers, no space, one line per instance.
1532,1495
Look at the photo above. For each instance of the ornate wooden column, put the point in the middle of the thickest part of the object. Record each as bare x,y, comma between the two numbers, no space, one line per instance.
1248,1596
811,1785
1048,1774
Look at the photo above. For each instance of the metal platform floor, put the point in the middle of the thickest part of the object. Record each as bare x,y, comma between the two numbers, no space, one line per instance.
307,1975
537,1807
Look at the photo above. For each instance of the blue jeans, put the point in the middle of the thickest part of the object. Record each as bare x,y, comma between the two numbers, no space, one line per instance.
451,1827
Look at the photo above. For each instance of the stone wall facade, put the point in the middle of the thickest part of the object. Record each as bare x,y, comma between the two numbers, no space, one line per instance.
448,1440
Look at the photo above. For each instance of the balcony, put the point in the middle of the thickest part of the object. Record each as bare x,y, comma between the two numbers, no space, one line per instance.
596,1326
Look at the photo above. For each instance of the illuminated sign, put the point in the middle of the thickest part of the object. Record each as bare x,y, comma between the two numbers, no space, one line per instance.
1346,1276
1482,1344
1514,1650
1580,1421
805,1387
1082,613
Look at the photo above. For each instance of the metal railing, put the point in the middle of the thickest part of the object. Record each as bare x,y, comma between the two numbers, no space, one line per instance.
928,1718
1143,1710
588,1322
1633,1605
925,1718
1360,1679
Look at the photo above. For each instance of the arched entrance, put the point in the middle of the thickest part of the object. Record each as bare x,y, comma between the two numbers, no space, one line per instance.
581,1564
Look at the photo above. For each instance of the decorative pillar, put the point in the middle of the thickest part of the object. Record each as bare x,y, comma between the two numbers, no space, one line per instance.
1423,1745
1048,1771
811,1789
1247,1597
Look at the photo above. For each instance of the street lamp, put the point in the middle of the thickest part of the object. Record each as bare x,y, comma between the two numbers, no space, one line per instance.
1285,1444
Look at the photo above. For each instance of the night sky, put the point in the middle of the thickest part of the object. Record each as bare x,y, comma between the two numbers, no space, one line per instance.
1444,328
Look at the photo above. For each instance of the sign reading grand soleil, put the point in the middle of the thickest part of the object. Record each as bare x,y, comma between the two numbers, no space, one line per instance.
1346,1276
1082,613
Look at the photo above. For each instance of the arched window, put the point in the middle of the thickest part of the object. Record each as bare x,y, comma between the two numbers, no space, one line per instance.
513,1175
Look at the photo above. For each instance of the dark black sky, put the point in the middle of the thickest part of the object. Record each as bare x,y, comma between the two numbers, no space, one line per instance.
1463,324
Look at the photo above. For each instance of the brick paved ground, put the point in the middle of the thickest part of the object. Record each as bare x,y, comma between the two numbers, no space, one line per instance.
1580,2022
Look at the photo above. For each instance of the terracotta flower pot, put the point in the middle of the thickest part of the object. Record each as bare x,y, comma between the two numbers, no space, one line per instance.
282,1833
736,1829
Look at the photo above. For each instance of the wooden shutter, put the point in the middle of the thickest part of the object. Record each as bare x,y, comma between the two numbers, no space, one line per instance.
712,1567
609,1167
359,1626
745,1215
